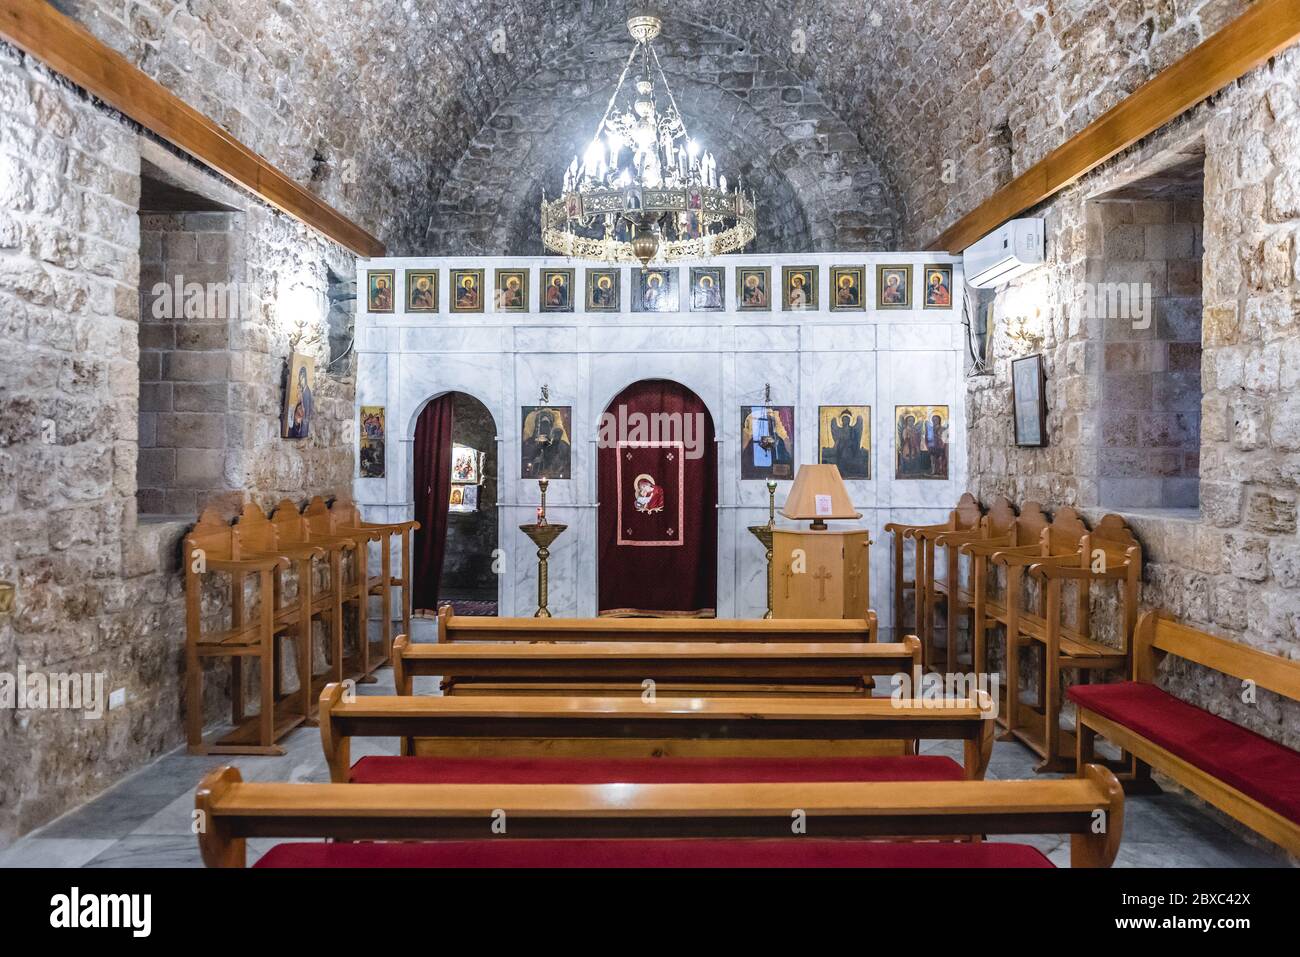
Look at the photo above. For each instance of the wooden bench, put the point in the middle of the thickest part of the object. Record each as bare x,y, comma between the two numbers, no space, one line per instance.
460,628
1251,778
678,669
714,822
211,548
964,516
615,727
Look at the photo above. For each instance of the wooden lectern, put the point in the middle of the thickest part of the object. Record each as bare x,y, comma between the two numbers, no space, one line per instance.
820,573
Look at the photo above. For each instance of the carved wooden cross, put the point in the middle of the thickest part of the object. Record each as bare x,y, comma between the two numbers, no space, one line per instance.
787,574
822,577
854,571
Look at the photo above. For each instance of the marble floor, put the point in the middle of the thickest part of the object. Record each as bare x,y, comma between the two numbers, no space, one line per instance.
145,820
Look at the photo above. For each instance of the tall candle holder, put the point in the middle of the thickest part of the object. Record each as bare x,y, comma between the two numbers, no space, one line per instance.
764,534
543,535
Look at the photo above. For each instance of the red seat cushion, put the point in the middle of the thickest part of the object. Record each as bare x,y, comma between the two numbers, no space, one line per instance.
1265,770
790,852
428,770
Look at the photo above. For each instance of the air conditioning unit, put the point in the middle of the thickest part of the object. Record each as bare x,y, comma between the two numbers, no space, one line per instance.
1002,255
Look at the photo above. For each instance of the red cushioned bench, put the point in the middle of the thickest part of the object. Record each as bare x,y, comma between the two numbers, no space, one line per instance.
423,770
661,853
641,825
1242,773
771,738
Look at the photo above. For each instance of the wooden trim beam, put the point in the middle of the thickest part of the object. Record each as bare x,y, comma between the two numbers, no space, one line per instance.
1263,31
68,48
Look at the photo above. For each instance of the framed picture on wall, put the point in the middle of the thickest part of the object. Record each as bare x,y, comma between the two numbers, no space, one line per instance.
848,289
938,286
603,288
799,288
421,290
656,291
379,290
370,454
753,288
467,290
894,287
767,442
545,447
1028,401
299,404
557,290
844,439
921,442
511,294
706,289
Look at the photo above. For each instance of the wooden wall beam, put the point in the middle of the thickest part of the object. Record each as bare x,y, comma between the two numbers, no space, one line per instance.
1263,31
68,48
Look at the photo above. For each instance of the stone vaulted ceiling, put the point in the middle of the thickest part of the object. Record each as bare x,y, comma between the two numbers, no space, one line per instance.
864,122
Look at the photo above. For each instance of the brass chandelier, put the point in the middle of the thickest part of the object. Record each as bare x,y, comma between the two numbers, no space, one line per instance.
644,191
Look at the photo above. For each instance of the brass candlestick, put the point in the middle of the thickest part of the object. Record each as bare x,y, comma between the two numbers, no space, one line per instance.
764,534
542,536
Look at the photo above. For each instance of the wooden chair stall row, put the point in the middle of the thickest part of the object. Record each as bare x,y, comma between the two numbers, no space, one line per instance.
255,546
464,735
1007,550
667,825
1252,778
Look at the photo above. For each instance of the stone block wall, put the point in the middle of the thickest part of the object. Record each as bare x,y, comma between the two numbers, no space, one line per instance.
98,590
1151,356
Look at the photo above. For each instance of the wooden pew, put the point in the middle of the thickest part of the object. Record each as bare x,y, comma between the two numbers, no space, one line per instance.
958,597
964,516
231,811
677,668
461,628
210,548
1113,556
608,727
1252,778
988,603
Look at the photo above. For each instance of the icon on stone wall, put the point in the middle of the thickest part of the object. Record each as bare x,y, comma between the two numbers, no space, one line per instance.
379,290
603,290
370,453
545,449
921,442
846,290
512,290
467,290
800,287
894,287
706,289
845,439
421,290
753,288
557,290
298,402
938,286
656,291
1029,401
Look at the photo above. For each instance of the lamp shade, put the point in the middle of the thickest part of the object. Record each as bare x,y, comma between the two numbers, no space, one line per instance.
818,494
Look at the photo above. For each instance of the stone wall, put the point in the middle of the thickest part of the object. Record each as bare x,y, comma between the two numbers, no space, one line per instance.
98,590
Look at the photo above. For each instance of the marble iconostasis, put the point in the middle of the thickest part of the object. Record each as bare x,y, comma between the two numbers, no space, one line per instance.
877,357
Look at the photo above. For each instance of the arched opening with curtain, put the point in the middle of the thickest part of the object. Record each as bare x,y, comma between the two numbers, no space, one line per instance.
657,541
454,466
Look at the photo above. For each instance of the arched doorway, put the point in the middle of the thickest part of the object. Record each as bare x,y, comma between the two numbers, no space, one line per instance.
455,481
657,534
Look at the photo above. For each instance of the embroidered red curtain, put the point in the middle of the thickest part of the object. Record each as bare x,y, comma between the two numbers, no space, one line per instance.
658,522
432,453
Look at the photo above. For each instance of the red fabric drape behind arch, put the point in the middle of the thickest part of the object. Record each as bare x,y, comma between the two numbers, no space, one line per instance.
658,522
432,478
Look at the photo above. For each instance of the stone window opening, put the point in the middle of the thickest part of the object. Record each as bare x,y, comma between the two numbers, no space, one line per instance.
191,277
1144,294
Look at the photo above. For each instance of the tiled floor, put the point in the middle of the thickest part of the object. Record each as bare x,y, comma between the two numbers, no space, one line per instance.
145,821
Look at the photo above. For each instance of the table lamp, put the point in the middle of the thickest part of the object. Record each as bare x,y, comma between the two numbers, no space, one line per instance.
818,494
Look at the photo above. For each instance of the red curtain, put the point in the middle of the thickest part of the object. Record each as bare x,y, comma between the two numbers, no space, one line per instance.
658,523
432,495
